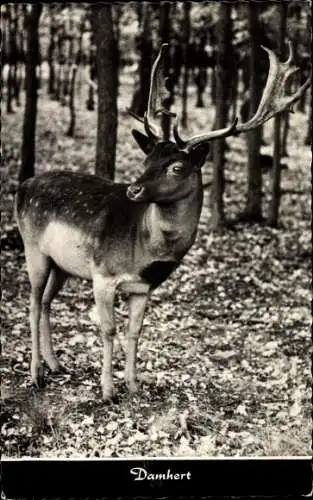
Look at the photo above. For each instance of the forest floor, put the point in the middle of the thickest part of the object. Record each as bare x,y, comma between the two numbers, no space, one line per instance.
224,356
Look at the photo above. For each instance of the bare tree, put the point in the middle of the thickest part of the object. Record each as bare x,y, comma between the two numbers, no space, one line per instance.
308,138
90,103
186,30
59,89
275,200
29,125
10,54
71,129
223,34
17,54
51,49
102,25
253,209
145,49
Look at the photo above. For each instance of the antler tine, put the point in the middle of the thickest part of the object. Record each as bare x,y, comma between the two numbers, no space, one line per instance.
273,101
291,53
157,95
134,115
208,136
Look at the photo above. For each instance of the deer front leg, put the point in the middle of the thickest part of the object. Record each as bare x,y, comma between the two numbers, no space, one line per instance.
104,292
137,306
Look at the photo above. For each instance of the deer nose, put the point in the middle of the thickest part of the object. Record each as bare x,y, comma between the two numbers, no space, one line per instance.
135,190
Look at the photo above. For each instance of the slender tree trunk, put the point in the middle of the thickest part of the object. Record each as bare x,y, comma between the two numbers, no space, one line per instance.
213,75
275,200
79,55
308,139
233,101
66,67
51,52
117,35
59,94
4,44
10,59
285,127
304,63
222,90
253,210
10,89
16,80
71,129
90,104
22,47
164,37
102,24
141,94
29,126
186,7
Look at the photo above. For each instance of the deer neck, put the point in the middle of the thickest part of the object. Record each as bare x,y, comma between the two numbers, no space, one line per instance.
174,225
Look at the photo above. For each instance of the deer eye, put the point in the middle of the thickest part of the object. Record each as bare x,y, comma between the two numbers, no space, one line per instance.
176,168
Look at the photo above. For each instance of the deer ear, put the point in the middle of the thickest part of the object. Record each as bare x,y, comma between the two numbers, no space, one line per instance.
198,154
145,143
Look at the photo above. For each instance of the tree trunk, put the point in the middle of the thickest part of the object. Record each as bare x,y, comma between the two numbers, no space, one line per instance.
10,89
141,95
275,200
10,59
213,76
186,7
79,55
59,91
90,103
222,91
164,37
16,78
29,126
304,63
106,57
71,129
117,35
285,126
51,51
253,210
308,139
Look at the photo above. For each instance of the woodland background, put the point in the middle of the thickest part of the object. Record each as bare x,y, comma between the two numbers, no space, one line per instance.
224,357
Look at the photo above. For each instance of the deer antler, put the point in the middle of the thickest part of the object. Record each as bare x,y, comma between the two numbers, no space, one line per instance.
157,95
273,101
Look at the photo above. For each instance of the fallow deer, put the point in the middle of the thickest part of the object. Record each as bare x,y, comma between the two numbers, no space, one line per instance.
126,236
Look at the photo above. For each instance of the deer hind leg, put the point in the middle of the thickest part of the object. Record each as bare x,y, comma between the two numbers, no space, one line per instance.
137,306
55,282
104,292
38,266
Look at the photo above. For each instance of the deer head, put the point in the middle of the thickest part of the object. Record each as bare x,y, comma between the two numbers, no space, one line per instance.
170,172
172,166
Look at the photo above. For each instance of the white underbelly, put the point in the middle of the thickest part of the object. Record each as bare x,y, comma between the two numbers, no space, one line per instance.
69,247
